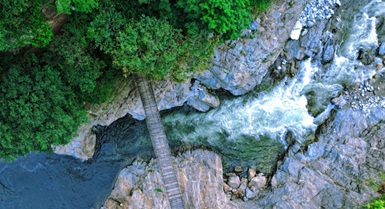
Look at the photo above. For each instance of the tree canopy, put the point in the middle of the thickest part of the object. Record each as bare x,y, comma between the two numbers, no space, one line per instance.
43,92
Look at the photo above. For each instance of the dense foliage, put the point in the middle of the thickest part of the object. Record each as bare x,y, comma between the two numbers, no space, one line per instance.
42,96
22,22
38,109
44,91
377,203
17,28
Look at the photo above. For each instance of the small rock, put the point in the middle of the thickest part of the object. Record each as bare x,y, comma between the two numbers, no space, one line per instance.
274,182
230,174
381,50
379,65
253,189
234,182
242,187
339,102
296,32
254,25
310,23
328,53
250,194
239,193
226,188
251,173
366,56
304,32
259,181
243,184
238,169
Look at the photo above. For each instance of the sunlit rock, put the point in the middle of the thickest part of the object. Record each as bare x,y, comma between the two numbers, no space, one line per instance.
234,182
199,173
259,181
296,32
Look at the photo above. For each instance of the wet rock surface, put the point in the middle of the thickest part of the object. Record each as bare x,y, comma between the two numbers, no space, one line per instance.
335,171
338,169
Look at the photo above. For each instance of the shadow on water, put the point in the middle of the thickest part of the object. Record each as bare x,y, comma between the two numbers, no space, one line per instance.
46,180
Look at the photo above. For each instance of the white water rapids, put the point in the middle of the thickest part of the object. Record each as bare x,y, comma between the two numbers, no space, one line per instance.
239,123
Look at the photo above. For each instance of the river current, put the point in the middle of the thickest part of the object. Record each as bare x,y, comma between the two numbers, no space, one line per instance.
246,130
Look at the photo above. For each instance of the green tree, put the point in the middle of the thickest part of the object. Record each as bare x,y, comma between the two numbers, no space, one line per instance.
147,47
376,203
37,110
22,22
223,17
69,6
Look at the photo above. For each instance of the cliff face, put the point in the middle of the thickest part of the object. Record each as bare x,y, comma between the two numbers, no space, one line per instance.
241,65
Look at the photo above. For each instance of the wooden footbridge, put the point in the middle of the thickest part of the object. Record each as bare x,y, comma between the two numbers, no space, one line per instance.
159,142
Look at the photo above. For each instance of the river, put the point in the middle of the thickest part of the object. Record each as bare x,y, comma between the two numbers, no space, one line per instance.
247,130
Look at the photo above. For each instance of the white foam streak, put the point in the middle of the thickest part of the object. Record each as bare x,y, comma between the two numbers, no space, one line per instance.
269,114
363,35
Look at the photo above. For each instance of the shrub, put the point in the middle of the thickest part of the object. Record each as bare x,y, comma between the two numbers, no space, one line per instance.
223,17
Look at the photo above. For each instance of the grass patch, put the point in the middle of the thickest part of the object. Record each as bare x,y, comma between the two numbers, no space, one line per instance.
378,203
260,5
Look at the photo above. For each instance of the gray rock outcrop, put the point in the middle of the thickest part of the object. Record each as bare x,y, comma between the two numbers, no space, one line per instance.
240,65
200,176
336,170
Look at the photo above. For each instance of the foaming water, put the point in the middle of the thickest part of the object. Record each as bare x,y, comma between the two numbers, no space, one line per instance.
363,35
258,119
263,114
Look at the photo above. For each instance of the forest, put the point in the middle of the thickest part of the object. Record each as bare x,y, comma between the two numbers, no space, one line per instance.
57,56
